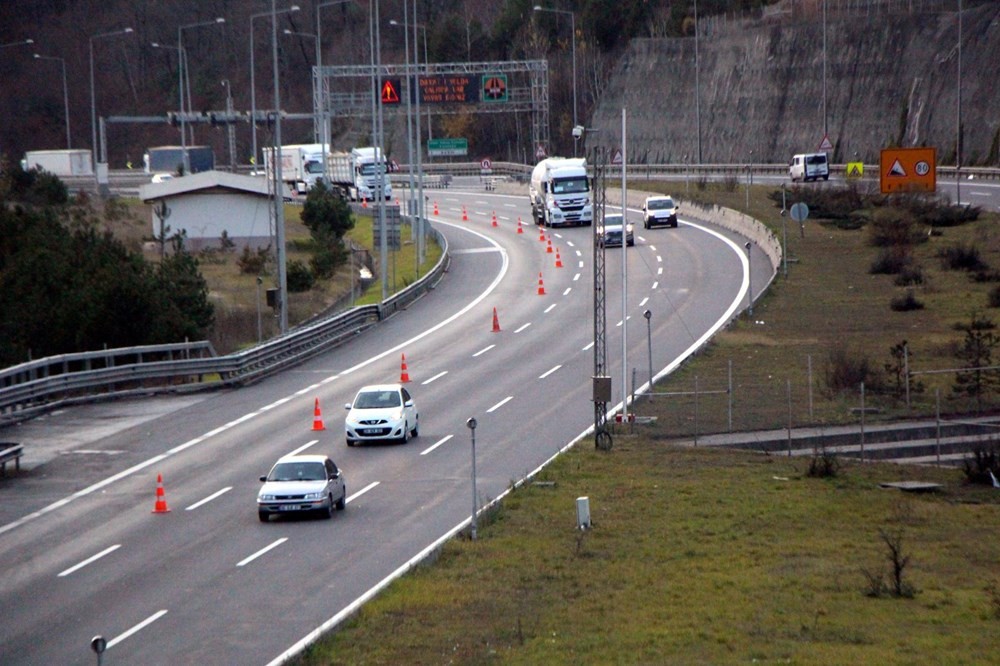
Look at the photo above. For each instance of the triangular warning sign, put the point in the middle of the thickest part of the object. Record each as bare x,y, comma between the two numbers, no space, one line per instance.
825,144
897,169
616,159
389,93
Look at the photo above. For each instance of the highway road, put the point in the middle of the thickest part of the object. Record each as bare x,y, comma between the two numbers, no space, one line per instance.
82,553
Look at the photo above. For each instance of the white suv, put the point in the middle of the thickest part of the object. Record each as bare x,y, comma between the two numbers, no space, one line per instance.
659,211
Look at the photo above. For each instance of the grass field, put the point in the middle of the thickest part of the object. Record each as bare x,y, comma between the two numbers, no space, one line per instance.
723,557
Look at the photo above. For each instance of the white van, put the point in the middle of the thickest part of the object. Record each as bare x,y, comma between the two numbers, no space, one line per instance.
809,166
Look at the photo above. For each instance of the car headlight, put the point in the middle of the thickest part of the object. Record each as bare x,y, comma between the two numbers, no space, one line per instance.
266,498
313,496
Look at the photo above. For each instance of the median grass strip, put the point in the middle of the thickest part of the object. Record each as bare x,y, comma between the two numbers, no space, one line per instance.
695,557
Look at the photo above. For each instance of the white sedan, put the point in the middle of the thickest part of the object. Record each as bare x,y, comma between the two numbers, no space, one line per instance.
381,412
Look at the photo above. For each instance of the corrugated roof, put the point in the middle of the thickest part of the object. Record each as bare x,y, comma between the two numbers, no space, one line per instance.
207,180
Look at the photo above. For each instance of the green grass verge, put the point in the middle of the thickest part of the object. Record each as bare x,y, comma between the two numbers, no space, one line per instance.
697,557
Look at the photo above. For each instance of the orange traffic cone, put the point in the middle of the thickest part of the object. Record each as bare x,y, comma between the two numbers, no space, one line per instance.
364,202
317,417
558,260
548,248
397,201
161,501
494,218
541,286
541,234
496,322
465,215
436,208
404,376
519,229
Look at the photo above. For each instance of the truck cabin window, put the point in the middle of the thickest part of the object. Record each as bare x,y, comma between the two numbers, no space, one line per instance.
569,186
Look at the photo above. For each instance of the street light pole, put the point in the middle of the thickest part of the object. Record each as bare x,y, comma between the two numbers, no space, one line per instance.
93,97
181,71
253,86
279,199
230,130
324,133
62,61
572,16
471,423
749,246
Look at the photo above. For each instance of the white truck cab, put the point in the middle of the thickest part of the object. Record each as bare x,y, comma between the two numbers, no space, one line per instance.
560,192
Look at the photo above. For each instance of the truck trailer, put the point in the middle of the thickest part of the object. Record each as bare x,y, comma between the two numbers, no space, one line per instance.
170,159
301,165
69,162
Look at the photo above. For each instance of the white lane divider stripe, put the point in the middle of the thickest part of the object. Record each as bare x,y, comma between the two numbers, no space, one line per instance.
549,309
436,444
437,376
90,560
499,404
218,493
262,551
483,351
361,492
549,372
139,627
523,326
303,447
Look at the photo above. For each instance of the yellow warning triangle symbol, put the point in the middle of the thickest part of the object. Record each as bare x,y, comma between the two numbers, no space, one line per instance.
897,169
389,94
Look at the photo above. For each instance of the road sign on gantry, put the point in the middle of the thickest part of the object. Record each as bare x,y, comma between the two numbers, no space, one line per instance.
908,170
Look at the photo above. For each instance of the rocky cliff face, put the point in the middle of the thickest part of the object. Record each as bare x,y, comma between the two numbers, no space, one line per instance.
891,80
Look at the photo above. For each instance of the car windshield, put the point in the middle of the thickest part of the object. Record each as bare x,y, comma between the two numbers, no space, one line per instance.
660,204
569,185
298,471
612,220
377,400
370,169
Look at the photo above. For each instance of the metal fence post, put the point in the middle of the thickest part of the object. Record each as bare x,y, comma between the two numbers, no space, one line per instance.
788,429
730,395
862,421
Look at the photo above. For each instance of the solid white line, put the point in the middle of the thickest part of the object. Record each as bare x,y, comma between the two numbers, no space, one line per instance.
437,376
499,404
329,379
303,447
483,351
523,326
436,444
139,627
260,552
549,309
362,491
549,372
209,498
92,558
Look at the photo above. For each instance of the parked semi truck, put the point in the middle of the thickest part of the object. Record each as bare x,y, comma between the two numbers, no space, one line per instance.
301,165
170,159
356,173
69,162
560,192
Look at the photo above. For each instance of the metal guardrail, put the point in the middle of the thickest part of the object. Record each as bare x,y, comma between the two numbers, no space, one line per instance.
37,386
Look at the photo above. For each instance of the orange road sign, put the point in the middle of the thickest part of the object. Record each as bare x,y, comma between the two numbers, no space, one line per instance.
908,170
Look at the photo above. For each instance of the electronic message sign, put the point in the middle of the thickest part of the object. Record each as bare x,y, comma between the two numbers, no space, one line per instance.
448,89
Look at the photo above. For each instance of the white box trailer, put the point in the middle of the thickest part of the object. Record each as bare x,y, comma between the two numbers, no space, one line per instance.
68,162
301,165
356,173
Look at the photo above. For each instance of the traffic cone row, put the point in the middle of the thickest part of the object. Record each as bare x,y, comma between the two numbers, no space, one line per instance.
317,418
161,500
404,375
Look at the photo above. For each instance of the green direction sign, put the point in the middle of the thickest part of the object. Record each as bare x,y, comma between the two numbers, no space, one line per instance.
443,147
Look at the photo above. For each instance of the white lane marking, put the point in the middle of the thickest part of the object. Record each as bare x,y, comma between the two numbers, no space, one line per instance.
262,551
579,254
580,264
659,271
437,376
522,327
209,498
621,322
557,235
499,404
652,247
659,259
139,627
548,372
570,244
643,301
508,205
549,309
568,289
436,444
589,346
656,284
307,389
483,351
329,379
303,447
504,267
89,560
361,492
476,250
576,277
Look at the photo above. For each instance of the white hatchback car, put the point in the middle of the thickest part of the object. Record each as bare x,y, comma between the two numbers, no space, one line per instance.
381,412
659,211
302,483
